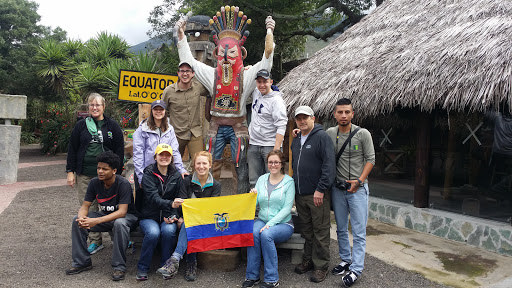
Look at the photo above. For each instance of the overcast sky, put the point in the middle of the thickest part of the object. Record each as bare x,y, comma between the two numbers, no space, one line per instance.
85,19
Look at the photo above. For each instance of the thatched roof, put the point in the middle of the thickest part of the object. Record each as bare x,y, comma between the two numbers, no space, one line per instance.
454,55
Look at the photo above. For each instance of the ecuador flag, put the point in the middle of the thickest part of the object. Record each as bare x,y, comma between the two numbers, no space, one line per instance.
219,222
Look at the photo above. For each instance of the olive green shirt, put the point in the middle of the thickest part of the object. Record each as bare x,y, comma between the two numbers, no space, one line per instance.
358,152
90,165
184,107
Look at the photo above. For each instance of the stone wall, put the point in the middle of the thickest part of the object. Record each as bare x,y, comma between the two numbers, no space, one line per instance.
489,235
11,107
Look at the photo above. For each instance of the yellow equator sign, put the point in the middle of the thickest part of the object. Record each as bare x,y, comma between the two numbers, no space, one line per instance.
143,87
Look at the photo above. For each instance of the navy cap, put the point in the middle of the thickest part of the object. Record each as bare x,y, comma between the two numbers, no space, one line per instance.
263,73
159,103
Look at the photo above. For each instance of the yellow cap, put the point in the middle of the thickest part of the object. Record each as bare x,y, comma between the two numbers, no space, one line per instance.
162,148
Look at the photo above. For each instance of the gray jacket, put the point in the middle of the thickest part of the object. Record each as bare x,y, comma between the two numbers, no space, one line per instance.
268,118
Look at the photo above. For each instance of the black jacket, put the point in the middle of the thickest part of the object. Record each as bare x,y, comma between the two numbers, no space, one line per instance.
313,163
80,138
188,187
158,195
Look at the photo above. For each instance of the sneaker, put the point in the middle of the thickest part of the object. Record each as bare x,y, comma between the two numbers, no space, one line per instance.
250,283
94,248
118,275
141,276
191,273
349,279
170,268
269,284
304,267
341,268
76,270
318,276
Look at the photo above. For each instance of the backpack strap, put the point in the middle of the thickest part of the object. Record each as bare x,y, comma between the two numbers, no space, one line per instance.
345,144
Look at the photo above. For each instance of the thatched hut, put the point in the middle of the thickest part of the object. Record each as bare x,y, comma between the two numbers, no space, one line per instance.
430,58
456,55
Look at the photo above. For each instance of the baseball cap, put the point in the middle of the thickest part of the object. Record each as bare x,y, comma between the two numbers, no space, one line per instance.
263,73
159,103
162,148
186,63
304,110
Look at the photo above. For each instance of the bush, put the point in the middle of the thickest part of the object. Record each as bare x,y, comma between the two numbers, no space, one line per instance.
27,138
55,131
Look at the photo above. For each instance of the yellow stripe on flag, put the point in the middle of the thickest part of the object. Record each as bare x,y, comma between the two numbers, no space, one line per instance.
201,211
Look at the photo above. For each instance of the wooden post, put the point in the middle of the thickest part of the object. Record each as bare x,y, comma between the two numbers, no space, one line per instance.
290,139
422,185
144,110
450,160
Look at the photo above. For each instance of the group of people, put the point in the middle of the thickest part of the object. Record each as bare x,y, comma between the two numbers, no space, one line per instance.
330,170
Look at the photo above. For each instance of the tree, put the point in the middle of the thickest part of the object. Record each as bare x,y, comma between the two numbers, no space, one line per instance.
294,20
19,35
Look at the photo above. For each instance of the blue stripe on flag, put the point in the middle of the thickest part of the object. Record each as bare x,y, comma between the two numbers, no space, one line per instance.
208,230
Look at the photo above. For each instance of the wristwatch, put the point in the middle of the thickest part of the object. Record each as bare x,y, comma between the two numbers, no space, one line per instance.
360,182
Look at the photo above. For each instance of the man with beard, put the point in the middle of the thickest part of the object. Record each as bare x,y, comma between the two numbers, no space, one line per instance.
350,192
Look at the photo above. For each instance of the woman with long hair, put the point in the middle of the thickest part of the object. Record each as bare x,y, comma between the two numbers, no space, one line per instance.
153,131
276,192
198,185
158,219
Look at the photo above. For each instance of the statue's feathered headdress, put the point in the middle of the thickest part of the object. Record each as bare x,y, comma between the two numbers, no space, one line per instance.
230,22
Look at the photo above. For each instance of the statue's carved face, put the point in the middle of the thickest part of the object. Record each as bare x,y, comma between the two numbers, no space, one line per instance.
231,55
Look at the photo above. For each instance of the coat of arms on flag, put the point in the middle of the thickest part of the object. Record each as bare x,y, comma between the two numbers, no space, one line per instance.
219,222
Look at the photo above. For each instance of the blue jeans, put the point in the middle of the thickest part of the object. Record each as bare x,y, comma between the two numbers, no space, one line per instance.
152,232
265,243
181,248
257,159
355,204
224,135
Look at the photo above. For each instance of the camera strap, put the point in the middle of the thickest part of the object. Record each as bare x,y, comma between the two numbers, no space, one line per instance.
344,144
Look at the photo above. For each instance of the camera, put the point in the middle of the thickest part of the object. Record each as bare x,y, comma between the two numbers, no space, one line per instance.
342,185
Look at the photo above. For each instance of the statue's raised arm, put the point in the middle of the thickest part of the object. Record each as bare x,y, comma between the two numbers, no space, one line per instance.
229,83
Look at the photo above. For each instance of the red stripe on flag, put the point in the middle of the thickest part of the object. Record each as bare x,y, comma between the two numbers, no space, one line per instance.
221,242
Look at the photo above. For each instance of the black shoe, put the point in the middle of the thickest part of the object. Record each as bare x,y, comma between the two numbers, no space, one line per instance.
250,283
118,275
341,268
269,284
76,270
191,273
349,279
304,267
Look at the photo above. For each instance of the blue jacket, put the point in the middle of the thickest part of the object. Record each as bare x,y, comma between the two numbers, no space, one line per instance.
277,208
145,141
113,140
313,164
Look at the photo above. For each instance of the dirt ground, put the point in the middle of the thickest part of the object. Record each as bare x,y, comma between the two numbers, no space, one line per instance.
35,247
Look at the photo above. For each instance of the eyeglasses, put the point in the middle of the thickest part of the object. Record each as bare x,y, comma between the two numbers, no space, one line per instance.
274,163
185,71
95,105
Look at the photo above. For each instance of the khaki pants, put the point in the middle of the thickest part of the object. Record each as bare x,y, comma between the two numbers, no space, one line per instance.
82,182
195,144
315,228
